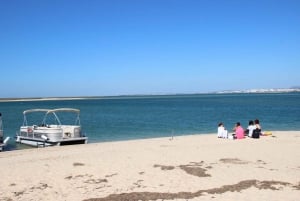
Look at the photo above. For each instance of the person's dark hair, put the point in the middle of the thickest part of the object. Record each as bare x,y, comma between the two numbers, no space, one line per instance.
220,124
256,121
251,122
238,123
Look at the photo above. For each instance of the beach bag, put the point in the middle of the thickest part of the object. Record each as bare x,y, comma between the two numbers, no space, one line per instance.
256,133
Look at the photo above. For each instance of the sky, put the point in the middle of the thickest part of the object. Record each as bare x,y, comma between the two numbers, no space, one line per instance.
61,48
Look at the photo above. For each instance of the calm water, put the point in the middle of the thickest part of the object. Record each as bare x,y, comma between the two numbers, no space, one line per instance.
123,118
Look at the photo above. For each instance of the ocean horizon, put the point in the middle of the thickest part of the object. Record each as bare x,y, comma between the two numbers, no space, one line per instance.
114,118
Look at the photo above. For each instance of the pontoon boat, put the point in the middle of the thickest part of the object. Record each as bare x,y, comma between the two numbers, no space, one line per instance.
51,131
2,142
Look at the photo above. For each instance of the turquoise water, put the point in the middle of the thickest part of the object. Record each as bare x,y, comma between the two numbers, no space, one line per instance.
123,118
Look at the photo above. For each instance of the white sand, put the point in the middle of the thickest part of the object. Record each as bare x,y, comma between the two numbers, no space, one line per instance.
198,167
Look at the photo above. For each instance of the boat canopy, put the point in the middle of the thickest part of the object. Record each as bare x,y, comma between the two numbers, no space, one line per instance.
52,111
63,110
35,110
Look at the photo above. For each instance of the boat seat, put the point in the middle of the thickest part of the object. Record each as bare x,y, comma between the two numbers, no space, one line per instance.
68,131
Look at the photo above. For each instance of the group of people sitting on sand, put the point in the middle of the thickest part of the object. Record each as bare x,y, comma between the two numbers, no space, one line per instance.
253,130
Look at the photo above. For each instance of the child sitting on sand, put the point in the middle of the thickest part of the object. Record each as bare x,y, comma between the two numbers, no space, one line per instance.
239,131
250,128
257,131
222,132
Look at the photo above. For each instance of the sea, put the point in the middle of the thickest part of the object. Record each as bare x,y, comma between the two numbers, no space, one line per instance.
118,118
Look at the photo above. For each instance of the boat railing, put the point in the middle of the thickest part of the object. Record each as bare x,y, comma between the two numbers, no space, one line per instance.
30,132
63,131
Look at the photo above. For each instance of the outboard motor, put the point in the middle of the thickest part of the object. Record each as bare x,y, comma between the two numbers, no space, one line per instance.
1,129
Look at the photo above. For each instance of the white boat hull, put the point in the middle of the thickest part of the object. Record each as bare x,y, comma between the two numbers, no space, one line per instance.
39,142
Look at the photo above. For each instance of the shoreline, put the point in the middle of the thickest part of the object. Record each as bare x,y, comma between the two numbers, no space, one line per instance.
178,168
263,91
152,138
164,138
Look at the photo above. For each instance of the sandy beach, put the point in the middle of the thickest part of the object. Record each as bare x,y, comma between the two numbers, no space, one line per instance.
196,167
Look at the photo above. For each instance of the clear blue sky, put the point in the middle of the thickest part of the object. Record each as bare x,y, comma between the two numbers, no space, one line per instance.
112,47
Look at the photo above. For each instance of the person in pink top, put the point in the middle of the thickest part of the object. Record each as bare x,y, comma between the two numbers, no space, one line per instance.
239,131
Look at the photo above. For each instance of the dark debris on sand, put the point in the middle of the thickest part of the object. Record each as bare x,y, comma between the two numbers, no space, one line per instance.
147,196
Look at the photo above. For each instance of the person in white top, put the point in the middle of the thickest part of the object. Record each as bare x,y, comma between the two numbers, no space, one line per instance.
222,132
250,128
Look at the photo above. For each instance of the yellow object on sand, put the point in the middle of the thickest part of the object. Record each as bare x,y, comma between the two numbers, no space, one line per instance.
267,133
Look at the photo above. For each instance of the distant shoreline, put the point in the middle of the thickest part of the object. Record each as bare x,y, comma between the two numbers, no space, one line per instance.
39,99
142,95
